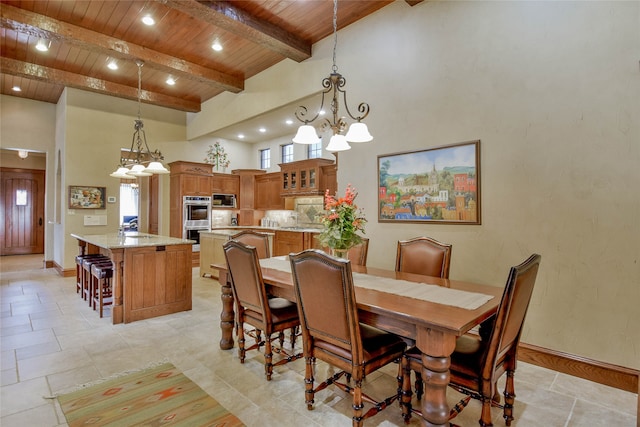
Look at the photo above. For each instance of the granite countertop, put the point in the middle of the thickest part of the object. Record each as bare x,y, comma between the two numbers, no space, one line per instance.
130,240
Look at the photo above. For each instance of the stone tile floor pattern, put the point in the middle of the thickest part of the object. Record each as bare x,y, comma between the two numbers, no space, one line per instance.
52,341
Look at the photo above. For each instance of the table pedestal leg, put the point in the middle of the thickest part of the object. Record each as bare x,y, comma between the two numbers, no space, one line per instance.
435,376
436,350
227,315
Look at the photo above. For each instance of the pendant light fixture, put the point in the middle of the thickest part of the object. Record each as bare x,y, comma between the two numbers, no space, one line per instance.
133,165
358,131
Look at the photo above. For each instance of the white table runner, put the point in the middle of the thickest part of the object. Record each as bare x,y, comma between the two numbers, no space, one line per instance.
422,291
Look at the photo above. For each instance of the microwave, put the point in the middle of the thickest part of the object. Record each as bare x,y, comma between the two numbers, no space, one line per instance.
223,201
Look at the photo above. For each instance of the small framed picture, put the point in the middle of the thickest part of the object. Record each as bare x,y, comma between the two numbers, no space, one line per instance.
81,197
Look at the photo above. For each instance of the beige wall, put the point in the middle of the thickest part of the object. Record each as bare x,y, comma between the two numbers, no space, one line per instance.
551,89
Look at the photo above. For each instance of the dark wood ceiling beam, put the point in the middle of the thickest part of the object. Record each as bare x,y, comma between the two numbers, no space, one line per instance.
27,22
224,15
65,78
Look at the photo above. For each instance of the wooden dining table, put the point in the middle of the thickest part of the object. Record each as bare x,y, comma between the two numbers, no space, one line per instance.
434,327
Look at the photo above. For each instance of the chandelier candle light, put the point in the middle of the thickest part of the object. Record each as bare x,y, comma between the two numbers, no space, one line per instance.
139,153
358,131
341,222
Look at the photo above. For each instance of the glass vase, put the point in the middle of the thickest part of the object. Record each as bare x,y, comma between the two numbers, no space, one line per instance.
340,253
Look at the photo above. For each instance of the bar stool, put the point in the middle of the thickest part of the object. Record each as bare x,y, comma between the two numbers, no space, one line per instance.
101,277
93,285
79,269
86,275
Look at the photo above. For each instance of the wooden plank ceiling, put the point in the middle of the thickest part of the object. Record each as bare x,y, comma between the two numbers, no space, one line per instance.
83,36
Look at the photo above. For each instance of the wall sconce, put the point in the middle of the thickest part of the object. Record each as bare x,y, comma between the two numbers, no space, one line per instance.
23,154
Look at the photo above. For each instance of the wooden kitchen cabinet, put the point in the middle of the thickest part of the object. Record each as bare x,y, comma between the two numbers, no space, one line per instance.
286,242
330,174
186,179
225,184
195,185
304,178
267,191
246,196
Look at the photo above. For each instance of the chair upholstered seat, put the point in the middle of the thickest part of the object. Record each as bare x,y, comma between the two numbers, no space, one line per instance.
375,345
281,311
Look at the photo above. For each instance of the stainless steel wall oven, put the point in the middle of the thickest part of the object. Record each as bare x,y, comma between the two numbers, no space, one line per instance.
197,217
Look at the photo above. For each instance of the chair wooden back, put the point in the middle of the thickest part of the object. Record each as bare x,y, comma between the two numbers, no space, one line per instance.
246,280
327,307
507,327
424,255
259,240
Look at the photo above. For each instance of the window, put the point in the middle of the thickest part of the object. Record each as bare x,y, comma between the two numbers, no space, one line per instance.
315,150
287,153
265,158
21,197
129,202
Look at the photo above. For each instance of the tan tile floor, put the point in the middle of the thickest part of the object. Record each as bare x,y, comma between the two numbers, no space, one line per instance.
52,341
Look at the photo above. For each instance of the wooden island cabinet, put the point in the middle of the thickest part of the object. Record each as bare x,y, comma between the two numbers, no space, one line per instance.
152,274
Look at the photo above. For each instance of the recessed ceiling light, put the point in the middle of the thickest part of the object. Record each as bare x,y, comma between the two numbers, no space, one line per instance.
262,130
289,121
171,81
216,46
321,112
42,45
241,136
148,20
112,65
16,89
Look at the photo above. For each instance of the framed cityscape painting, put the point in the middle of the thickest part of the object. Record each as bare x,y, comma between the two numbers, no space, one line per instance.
439,185
87,197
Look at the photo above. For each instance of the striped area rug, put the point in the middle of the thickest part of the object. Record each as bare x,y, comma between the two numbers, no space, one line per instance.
153,397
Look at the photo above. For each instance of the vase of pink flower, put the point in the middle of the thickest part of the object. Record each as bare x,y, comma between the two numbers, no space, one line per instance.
342,222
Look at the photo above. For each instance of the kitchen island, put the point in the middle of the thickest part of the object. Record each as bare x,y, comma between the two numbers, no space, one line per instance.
152,274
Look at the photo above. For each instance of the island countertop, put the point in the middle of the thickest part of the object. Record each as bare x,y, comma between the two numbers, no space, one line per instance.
130,240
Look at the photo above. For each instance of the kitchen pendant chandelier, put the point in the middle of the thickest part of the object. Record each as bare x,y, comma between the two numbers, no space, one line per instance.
358,131
133,165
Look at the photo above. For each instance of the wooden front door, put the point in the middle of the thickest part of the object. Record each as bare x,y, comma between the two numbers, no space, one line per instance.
22,212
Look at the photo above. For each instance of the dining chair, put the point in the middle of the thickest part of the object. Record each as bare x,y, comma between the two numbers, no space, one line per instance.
478,361
358,254
266,315
252,238
424,255
332,333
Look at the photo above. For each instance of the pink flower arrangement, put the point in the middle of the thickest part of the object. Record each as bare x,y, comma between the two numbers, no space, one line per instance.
342,221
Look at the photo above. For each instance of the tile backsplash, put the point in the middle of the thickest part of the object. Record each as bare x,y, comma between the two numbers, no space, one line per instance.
308,210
